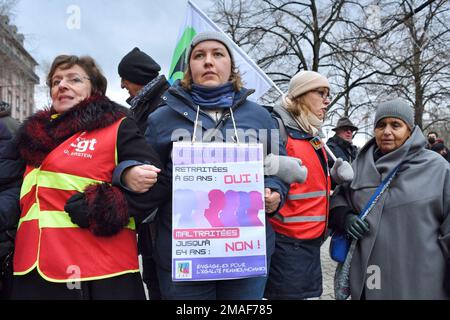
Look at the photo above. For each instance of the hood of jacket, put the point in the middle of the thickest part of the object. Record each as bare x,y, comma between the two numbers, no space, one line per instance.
149,93
43,132
369,173
287,118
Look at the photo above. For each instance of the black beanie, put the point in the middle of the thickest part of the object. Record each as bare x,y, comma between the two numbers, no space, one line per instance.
138,67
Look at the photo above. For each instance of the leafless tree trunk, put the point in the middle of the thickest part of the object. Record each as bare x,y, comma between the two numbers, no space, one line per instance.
423,55
370,50
418,62
283,37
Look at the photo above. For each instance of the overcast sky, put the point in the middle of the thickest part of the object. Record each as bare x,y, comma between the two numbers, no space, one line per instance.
108,29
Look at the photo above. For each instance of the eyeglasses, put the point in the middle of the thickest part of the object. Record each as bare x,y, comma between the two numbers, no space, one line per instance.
323,94
73,80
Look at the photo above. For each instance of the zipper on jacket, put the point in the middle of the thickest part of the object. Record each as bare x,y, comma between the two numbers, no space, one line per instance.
225,116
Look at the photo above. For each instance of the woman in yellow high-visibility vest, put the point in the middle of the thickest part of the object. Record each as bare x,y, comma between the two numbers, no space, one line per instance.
76,234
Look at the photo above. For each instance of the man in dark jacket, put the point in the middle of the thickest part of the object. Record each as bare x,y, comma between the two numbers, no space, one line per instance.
139,74
341,143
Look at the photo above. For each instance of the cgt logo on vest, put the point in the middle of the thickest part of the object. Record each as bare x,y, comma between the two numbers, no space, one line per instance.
82,148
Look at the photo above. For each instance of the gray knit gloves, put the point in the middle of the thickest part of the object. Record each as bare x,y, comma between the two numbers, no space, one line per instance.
290,169
341,172
286,168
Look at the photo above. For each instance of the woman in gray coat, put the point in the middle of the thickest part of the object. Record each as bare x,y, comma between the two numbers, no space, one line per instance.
403,246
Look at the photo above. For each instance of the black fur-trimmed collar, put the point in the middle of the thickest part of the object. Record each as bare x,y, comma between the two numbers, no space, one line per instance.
40,134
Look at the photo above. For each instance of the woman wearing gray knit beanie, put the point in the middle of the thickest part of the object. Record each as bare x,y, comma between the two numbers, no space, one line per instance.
210,104
403,242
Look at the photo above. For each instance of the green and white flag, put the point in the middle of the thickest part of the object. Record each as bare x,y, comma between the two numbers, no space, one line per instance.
195,22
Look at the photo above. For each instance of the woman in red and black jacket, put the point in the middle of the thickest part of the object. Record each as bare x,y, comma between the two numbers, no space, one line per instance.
76,234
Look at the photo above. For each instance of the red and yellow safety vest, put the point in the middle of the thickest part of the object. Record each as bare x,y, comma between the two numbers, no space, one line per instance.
46,238
305,212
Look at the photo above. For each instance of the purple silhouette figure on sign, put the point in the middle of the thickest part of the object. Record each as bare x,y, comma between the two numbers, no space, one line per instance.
256,204
228,214
216,204
199,212
244,204
185,202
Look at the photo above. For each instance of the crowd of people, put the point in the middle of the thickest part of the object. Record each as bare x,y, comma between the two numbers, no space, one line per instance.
86,186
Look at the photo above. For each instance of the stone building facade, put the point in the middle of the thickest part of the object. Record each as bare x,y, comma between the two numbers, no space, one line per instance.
17,76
